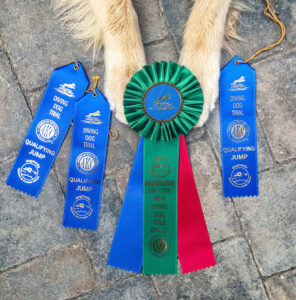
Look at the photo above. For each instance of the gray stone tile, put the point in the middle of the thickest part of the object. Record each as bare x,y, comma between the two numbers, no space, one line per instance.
98,243
195,134
254,27
15,115
269,220
30,227
177,13
219,212
36,41
282,287
258,31
234,277
287,13
151,20
213,125
276,108
34,98
135,288
164,50
64,274
121,151
121,178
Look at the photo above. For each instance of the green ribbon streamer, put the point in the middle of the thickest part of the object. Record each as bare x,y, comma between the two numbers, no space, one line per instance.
161,160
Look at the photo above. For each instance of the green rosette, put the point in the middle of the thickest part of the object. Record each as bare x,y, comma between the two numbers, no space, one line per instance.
186,84
161,102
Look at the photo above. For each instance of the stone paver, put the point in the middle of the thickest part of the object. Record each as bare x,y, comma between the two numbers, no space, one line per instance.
276,96
36,42
121,179
34,98
152,24
177,13
98,243
164,50
37,256
121,151
287,13
258,31
61,275
234,277
15,116
263,154
254,27
219,212
136,288
282,287
269,220
30,227
194,134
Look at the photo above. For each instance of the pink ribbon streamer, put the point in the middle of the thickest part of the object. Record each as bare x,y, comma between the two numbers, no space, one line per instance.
194,246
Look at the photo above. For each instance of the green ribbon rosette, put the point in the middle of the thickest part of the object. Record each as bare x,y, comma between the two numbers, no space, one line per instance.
161,102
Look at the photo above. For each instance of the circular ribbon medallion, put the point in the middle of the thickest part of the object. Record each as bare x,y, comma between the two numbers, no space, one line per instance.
162,101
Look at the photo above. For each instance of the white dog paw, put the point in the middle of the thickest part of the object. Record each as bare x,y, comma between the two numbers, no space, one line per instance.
123,52
117,77
203,117
202,42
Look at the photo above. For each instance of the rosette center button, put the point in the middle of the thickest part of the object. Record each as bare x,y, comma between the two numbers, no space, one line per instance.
162,102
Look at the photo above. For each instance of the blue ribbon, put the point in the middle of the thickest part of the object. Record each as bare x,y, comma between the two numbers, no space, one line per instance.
126,250
48,129
87,161
238,129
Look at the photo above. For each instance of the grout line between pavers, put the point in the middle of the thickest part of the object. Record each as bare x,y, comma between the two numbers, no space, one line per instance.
250,248
36,89
5,159
265,136
94,273
50,252
277,165
5,49
90,261
279,273
211,144
156,290
102,288
117,191
168,28
243,234
229,238
157,41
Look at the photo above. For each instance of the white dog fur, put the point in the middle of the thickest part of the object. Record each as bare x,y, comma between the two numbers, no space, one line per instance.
114,24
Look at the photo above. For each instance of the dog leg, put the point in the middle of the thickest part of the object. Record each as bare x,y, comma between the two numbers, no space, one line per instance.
123,50
113,24
202,43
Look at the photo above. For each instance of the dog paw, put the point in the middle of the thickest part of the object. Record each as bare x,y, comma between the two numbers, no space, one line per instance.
207,70
202,43
115,83
123,52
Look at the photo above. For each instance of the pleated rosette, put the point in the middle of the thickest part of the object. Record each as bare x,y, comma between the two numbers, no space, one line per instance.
180,81
161,102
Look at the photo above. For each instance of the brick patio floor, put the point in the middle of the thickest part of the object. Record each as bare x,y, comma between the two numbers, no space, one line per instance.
254,239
